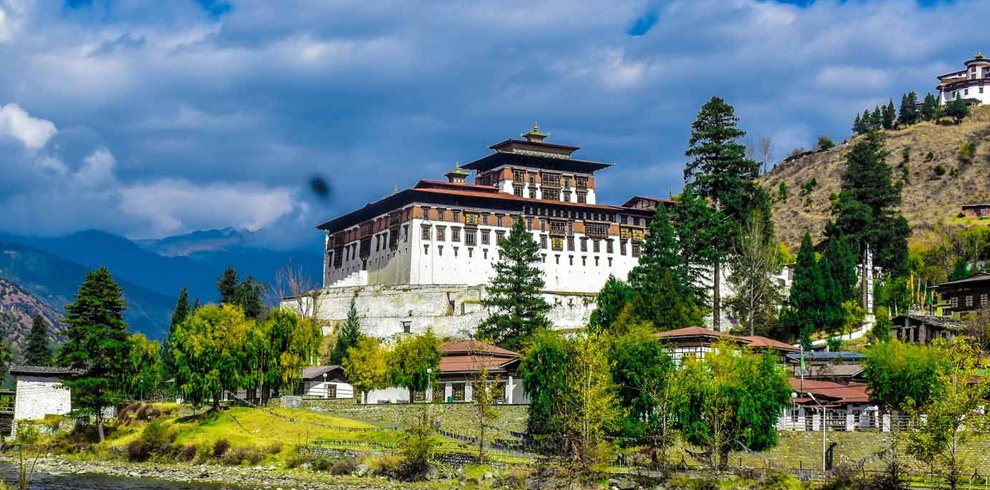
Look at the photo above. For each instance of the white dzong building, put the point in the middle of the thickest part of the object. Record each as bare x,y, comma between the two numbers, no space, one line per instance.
421,257
971,84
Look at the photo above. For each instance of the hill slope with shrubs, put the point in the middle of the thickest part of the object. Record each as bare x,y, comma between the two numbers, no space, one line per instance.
942,166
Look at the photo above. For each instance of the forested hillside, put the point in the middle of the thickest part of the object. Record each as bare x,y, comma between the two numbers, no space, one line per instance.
942,166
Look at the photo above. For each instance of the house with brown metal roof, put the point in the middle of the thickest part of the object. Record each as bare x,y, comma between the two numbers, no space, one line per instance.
698,341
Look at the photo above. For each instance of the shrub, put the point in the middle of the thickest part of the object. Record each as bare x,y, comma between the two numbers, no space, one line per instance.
243,454
515,476
940,170
137,451
344,466
929,156
824,143
966,152
220,448
156,438
782,192
383,465
186,453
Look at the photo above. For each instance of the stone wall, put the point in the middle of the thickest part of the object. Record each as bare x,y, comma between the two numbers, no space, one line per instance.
450,310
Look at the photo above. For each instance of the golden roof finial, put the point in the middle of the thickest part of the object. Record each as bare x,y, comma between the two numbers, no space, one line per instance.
534,135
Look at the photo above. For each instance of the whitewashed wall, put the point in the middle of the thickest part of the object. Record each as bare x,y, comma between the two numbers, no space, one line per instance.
37,396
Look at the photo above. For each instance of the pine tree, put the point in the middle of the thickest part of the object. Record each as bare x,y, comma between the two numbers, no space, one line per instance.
859,126
181,311
514,296
665,294
867,121
929,109
720,173
838,269
876,119
866,213
96,344
195,306
247,295
7,323
349,335
909,109
38,351
612,299
227,286
889,115
803,314
957,109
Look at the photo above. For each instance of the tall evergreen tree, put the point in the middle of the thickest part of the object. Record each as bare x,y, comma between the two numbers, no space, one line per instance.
889,115
181,311
612,299
514,296
929,108
247,295
838,270
867,121
665,294
909,109
96,344
227,286
858,127
960,270
38,351
720,173
866,211
876,119
803,315
349,335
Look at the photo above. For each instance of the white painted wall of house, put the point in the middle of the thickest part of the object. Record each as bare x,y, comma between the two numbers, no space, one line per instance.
37,396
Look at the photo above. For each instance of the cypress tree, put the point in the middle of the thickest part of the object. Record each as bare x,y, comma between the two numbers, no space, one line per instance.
181,311
929,109
227,286
909,109
349,335
38,351
247,295
889,115
96,344
720,173
803,313
612,299
514,296
665,294
866,211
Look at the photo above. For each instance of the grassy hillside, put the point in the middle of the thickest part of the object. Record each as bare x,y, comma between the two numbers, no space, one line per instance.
919,152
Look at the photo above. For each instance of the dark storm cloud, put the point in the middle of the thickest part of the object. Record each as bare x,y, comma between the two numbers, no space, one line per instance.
209,114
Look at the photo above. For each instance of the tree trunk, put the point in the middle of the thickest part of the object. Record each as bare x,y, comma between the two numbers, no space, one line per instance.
716,296
99,423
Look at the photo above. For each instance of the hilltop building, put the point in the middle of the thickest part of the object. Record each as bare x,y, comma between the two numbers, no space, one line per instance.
972,84
421,257
447,232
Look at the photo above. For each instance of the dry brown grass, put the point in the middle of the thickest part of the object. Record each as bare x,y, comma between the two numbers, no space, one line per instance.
929,200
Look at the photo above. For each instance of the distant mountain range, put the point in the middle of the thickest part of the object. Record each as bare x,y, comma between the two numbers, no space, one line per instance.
151,271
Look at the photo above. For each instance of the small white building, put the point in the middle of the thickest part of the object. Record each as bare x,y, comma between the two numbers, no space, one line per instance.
40,391
327,382
971,84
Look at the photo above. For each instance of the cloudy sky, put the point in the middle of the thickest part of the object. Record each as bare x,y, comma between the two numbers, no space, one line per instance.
152,118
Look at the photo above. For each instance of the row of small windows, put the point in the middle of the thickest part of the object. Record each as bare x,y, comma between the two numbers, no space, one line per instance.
470,251
547,211
964,92
968,301
470,235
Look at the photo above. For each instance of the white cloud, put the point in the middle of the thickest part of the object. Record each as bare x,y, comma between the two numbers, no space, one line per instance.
851,78
172,206
33,132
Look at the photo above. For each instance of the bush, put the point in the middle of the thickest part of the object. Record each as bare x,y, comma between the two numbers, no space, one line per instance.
243,454
929,156
940,170
156,438
383,465
515,476
966,152
824,143
186,453
344,466
220,448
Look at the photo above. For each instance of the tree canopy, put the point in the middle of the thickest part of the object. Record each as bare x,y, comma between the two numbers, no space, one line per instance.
348,336
367,365
415,361
514,297
209,350
96,344
38,351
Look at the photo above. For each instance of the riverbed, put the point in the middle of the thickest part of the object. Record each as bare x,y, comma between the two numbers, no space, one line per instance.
45,480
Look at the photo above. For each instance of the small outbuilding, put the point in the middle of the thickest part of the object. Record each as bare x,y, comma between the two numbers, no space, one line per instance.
40,391
328,382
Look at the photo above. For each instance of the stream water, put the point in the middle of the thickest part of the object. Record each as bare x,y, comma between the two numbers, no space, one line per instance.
51,481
